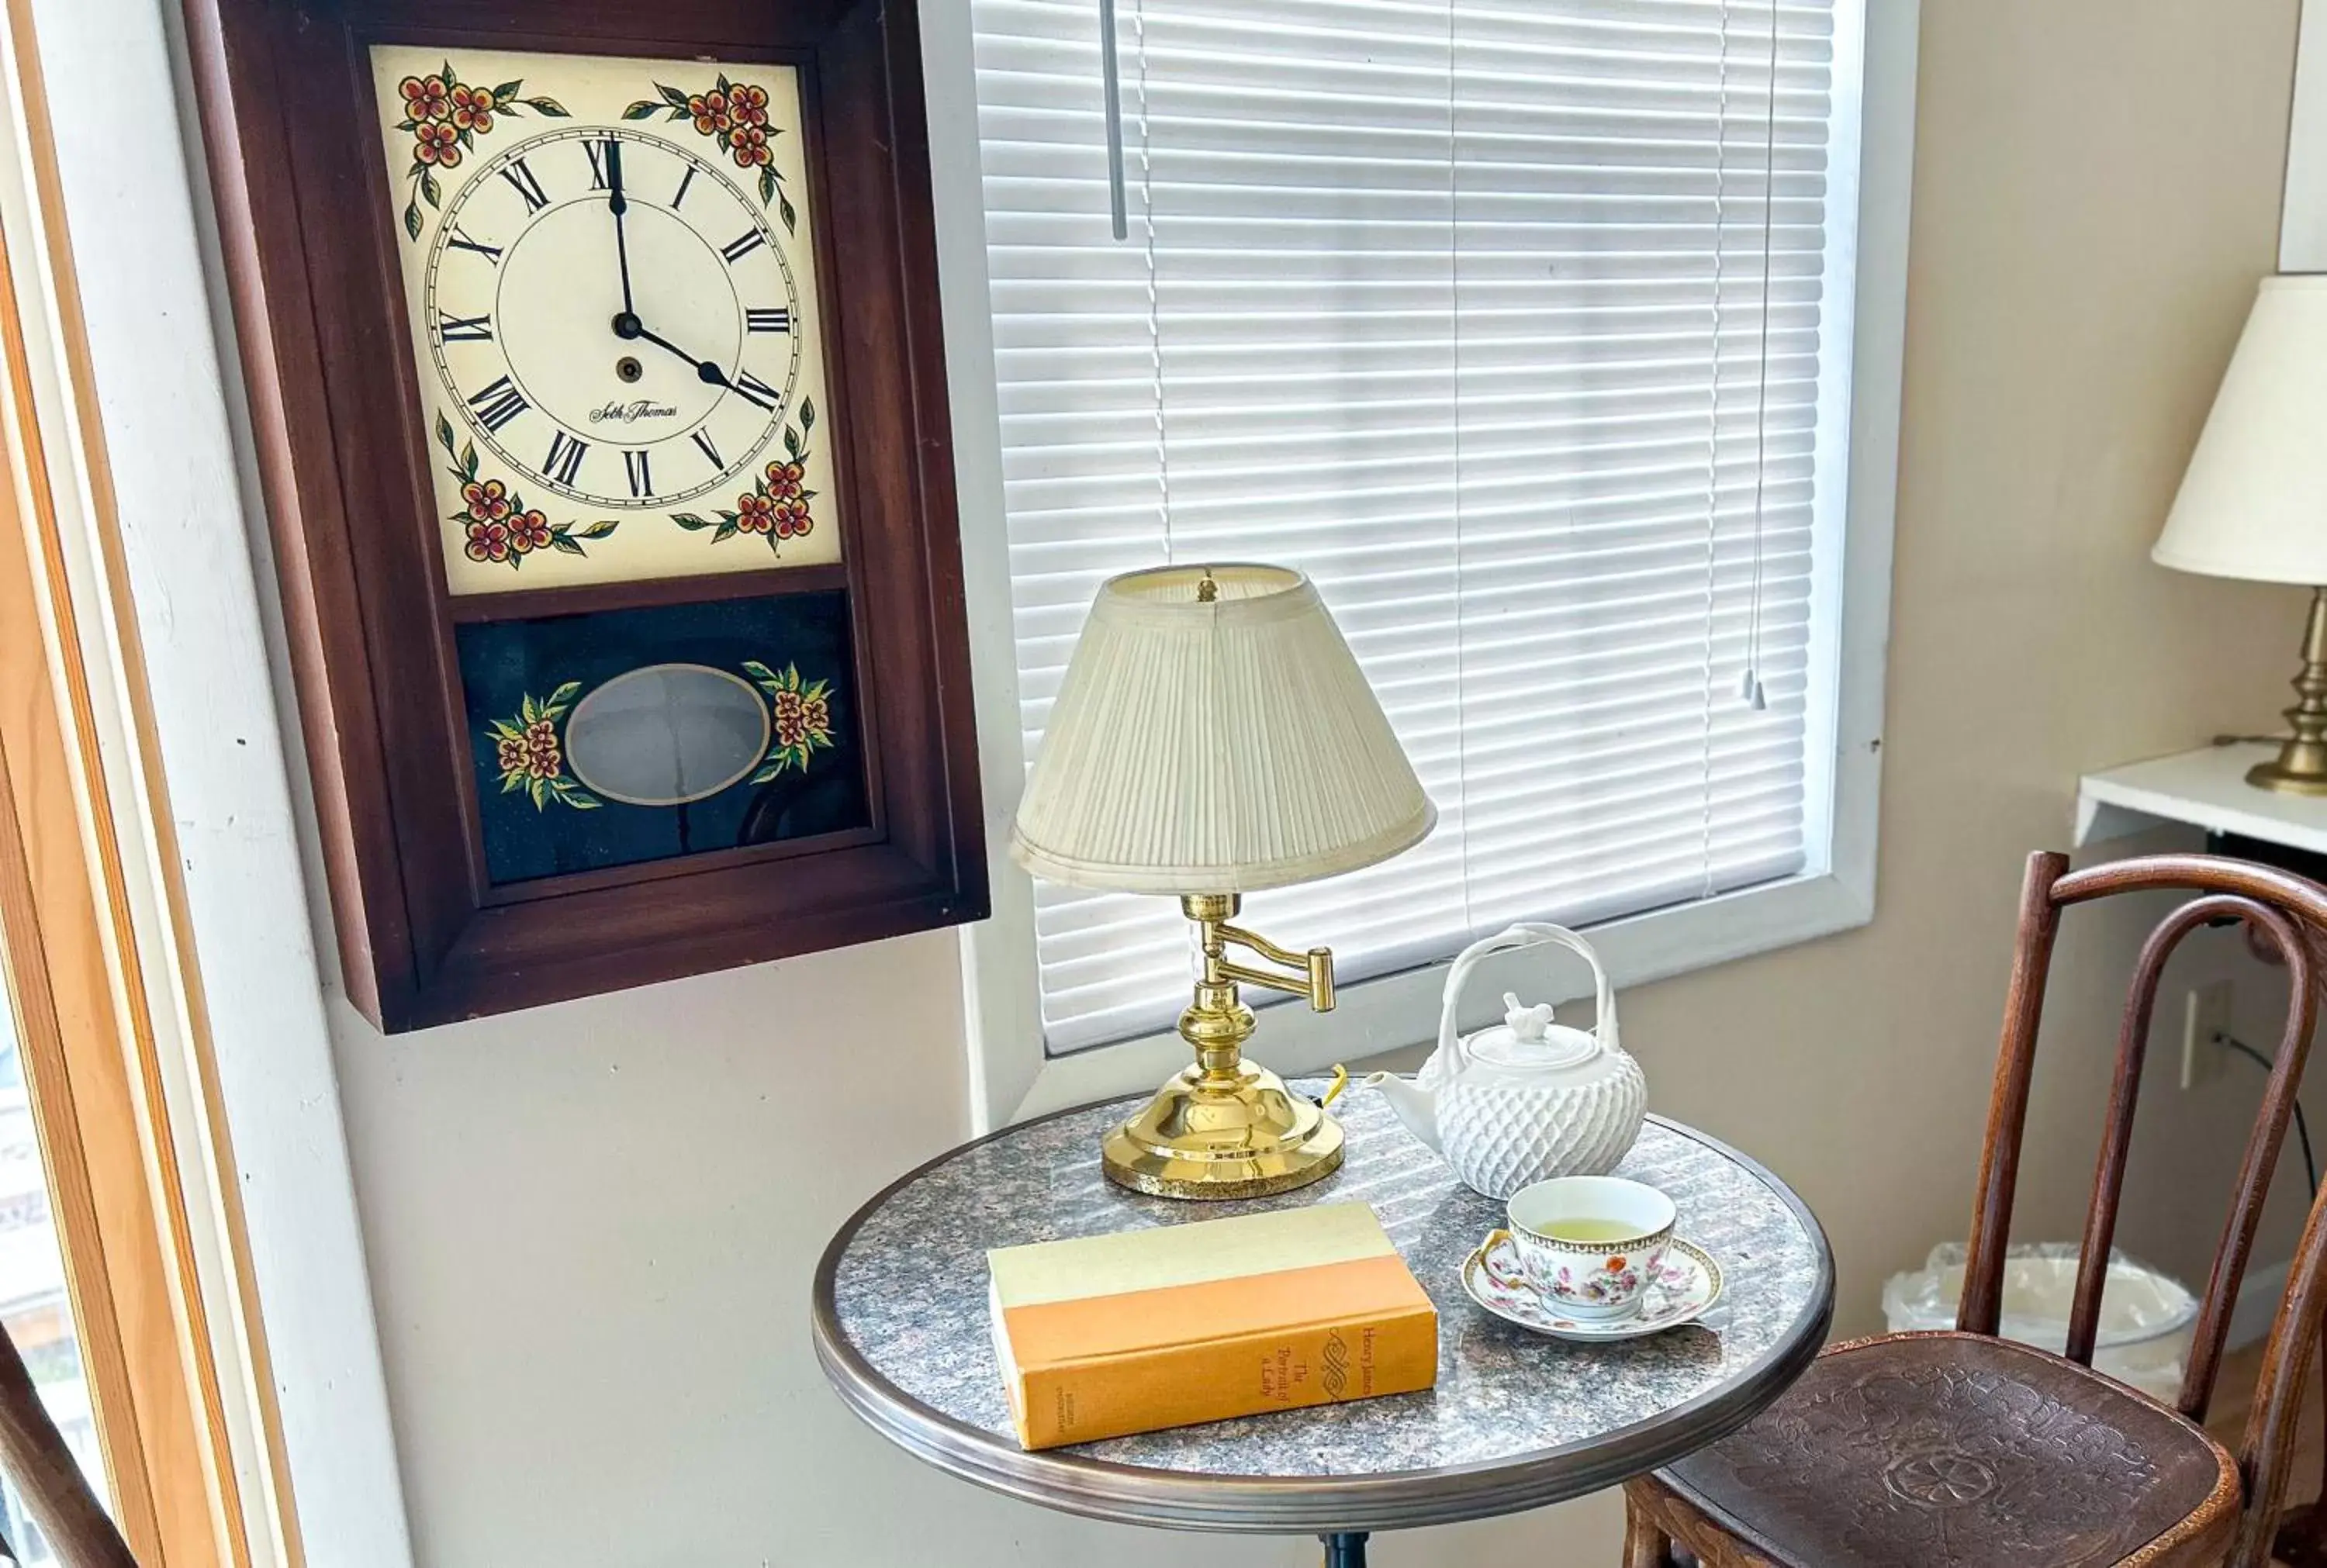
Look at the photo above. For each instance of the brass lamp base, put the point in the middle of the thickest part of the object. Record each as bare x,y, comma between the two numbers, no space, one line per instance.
1224,1128
2276,775
2301,765
1248,1139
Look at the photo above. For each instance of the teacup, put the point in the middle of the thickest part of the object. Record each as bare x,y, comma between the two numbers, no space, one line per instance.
1591,1244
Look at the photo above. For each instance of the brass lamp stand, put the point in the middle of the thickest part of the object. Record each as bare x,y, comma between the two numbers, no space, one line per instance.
1223,1127
2301,766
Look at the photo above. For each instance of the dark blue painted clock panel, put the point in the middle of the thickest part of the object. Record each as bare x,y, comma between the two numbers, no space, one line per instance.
630,735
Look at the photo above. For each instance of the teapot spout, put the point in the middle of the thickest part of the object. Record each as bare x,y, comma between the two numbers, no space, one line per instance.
1416,1107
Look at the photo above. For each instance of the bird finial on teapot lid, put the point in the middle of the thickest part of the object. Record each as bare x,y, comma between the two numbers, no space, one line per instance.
1526,1024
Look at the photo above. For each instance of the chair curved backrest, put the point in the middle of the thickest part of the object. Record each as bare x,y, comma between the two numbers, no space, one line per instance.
2289,914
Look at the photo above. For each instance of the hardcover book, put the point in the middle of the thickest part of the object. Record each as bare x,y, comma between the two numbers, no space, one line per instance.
1106,1335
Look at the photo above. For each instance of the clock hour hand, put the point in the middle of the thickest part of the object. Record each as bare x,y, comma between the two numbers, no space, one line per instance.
618,205
628,326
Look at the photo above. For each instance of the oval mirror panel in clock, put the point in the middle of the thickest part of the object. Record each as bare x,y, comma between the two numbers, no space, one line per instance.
667,734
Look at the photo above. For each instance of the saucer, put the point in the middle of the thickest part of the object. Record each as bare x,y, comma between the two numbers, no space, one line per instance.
1687,1283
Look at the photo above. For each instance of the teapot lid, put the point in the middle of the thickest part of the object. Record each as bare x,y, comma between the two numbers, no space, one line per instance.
1529,1040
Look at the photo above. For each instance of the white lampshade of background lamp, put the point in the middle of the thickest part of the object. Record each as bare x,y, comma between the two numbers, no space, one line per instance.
2253,503
1214,736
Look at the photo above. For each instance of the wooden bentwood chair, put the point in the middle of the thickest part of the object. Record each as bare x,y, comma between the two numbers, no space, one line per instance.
34,1456
1957,1448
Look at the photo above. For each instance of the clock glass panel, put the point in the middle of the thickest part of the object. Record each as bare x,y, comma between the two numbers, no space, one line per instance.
609,273
622,736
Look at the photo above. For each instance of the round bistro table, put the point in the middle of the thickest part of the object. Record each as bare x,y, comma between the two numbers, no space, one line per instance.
1516,1421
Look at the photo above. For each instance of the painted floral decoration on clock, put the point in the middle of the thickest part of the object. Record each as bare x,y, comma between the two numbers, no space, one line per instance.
500,525
446,114
735,116
776,506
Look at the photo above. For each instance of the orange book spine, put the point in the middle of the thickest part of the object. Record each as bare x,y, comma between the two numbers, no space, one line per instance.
1180,1384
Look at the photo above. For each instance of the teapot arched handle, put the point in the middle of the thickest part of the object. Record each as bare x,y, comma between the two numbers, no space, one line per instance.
1526,934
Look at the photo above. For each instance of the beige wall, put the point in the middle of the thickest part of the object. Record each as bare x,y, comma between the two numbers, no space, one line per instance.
593,1227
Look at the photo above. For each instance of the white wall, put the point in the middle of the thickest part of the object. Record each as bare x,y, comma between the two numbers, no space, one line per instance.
591,1227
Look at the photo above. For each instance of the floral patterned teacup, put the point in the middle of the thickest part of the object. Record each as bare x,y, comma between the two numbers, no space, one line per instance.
1591,1244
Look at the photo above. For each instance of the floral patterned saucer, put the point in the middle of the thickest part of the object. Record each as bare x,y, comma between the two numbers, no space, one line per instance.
1687,1283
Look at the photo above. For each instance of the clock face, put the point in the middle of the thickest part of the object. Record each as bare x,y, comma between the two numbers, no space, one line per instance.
612,286
598,395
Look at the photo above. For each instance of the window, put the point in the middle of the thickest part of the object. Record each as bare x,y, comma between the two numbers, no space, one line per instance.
34,1310
1523,327
83,1280
118,1268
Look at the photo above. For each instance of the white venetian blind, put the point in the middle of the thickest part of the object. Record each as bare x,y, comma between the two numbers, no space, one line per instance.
1501,320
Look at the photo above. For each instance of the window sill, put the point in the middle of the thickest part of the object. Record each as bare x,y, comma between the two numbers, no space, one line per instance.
1398,1011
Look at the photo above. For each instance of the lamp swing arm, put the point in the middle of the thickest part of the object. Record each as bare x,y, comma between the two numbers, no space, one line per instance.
1316,984
1313,971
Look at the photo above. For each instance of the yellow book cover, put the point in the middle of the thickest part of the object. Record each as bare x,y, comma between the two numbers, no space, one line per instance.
1106,1335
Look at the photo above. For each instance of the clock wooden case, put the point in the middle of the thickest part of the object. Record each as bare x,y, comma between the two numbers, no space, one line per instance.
594,367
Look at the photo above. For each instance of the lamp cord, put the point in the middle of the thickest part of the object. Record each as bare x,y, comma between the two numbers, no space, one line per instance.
2302,1126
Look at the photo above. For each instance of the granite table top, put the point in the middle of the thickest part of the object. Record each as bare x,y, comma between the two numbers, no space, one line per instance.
1516,1421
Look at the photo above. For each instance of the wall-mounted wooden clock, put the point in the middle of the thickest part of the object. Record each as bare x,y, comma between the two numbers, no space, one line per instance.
595,371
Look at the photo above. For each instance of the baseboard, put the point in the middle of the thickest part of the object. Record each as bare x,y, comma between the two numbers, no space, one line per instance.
2258,1303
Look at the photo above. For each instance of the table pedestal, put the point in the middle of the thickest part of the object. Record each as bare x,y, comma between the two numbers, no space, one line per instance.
1345,1550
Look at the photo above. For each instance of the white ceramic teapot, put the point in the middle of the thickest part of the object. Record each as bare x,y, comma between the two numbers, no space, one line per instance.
1527,1099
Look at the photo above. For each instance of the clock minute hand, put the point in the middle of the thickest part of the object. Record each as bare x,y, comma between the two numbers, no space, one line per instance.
618,205
627,325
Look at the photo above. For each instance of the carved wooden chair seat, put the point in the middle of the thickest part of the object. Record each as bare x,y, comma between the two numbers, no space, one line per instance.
1959,1450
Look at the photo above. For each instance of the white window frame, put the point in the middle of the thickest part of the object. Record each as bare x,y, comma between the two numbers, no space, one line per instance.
1011,1077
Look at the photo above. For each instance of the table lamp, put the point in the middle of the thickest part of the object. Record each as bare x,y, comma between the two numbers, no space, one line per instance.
2254,501
1213,736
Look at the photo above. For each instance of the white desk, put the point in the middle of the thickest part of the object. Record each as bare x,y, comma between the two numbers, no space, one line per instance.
2204,788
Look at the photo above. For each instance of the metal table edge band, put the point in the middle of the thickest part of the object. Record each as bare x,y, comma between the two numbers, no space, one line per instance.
1120,1493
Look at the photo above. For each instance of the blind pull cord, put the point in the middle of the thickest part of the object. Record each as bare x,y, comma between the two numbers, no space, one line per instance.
1750,688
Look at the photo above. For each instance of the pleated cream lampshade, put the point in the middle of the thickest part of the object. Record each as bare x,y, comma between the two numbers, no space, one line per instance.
1214,735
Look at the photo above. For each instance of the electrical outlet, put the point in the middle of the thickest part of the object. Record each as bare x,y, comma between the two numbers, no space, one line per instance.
2205,1016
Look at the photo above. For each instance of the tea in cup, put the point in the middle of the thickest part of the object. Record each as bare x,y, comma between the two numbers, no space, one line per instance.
1590,1245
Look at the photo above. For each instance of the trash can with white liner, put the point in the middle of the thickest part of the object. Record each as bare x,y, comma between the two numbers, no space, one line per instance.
2147,1318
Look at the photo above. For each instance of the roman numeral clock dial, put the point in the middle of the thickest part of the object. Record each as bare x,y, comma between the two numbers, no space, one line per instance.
611,278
